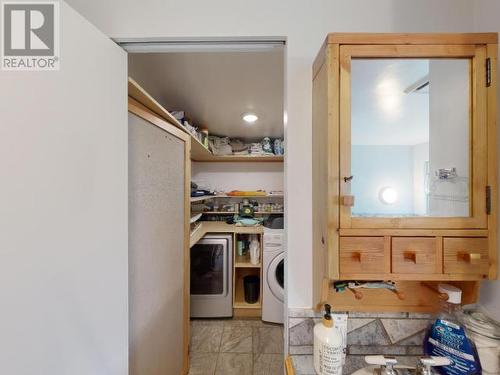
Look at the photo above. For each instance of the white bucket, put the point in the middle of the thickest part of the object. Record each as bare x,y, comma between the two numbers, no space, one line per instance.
484,332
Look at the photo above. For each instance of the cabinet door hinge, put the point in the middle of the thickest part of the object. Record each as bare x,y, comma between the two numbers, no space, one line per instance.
488,72
488,200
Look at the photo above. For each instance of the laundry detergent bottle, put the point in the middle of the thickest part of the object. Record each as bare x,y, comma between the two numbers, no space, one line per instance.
328,347
447,337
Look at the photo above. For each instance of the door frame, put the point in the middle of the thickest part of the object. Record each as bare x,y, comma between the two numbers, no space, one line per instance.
228,44
478,134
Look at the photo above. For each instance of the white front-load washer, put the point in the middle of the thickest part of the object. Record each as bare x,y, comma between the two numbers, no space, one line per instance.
273,287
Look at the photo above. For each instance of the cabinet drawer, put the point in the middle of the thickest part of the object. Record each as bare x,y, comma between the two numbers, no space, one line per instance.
361,255
466,255
415,255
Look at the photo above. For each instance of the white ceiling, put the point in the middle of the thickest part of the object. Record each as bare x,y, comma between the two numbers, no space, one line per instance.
382,113
216,88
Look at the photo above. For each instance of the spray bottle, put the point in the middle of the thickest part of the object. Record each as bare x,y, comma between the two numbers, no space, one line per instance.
447,337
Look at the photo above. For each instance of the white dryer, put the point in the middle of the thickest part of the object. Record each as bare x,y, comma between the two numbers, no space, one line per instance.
273,287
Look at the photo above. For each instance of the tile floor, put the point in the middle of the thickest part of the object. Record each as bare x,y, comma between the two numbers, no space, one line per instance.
236,346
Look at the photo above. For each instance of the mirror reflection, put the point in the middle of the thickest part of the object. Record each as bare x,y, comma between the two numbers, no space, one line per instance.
410,121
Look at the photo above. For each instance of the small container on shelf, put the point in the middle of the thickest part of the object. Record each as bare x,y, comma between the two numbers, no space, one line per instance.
251,284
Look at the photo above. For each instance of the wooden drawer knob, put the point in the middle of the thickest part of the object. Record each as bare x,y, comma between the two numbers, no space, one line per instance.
472,258
410,256
348,200
359,257
400,295
357,293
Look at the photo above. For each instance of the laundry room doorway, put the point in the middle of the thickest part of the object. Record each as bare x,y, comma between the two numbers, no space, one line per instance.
229,97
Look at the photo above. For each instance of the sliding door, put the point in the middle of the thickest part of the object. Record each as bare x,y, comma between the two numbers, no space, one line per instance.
158,245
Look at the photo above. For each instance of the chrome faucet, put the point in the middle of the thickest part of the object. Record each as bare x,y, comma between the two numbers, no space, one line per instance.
387,365
427,363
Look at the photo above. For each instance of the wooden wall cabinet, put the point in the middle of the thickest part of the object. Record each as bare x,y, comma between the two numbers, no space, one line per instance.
375,95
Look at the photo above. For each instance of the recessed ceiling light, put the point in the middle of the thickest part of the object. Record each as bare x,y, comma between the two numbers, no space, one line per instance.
250,117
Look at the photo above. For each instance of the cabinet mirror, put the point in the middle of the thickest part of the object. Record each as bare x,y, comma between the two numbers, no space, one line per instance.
410,137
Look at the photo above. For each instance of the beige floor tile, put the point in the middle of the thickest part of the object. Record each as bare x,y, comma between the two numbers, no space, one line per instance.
246,322
202,363
225,347
206,339
268,364
234,364
237,340
268,340
208,322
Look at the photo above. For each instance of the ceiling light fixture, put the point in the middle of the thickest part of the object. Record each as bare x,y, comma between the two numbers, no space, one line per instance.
250,117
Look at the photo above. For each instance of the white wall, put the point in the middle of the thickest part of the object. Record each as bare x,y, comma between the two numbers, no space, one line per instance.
486,18
231,176
305,24
63,211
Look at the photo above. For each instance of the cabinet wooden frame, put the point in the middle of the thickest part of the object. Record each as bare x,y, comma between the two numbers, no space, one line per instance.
478,128
139,109
331,143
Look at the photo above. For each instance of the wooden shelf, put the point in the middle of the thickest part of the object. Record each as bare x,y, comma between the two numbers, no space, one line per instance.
206,197
198,151
200,154
239,292
221,227
196,235
244,262
244,305
239,296
418,298
232,213
203,198
249,196
136,92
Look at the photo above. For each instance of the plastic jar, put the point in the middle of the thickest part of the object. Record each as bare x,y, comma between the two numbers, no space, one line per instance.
485,332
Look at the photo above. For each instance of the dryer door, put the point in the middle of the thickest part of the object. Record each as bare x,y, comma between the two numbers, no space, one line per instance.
275,276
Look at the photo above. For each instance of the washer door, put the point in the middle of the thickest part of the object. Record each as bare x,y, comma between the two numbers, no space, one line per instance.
275,276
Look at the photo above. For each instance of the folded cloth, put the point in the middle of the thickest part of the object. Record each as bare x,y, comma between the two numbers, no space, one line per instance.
256,149
238,146
220,145
244,152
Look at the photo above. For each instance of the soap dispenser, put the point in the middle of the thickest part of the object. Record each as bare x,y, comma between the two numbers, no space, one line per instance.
328,348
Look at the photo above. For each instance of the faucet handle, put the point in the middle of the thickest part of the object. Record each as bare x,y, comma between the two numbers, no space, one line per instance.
380,360
426,363
387,363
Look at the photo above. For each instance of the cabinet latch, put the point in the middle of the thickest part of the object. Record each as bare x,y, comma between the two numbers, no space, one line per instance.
488,72
488,200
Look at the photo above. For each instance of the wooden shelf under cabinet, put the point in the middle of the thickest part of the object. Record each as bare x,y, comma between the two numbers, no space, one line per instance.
417,297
